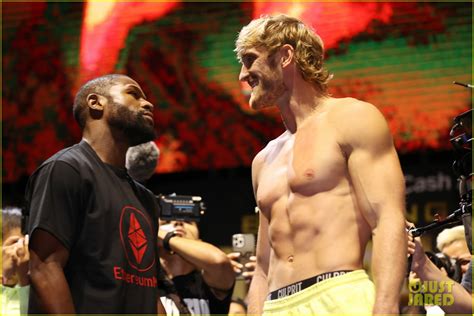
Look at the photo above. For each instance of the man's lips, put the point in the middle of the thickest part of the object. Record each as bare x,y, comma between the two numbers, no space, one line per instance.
149,116
180,232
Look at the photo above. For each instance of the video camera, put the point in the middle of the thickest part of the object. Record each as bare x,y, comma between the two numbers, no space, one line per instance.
181,207
450,265
461,139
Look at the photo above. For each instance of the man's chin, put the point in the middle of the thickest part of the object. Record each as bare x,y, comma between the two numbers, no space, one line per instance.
256,104
141,138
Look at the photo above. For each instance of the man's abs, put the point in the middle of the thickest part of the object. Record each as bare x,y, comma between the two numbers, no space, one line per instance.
315,235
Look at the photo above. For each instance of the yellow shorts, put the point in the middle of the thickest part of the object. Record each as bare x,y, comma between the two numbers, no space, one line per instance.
349,294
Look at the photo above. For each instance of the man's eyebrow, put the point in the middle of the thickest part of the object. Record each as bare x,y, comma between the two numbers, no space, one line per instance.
137,88
248,55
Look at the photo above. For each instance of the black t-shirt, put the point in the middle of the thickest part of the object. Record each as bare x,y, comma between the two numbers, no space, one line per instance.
198,296
107,221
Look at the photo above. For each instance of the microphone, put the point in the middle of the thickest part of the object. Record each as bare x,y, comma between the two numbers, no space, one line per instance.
466,85
141,160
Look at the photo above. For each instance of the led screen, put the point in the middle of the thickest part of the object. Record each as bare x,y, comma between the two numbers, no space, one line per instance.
402,57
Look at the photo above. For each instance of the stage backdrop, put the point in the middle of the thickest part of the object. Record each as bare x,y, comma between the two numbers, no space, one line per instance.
402,57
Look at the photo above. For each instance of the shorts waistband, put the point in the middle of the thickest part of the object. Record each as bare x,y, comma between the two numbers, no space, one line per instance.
301,285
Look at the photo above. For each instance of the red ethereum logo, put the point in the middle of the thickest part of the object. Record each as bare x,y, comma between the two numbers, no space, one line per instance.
136,238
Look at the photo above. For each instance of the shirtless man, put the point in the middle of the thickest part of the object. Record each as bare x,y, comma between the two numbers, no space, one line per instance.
325,187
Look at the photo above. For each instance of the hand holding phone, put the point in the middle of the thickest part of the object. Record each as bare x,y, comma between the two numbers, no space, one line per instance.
243,256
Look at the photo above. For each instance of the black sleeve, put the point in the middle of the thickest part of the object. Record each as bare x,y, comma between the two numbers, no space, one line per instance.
53,200
219,306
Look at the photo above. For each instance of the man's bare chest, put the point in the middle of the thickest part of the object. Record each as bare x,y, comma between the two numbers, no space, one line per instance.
303,165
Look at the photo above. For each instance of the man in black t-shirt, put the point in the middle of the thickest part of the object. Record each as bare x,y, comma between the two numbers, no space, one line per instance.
202,274
93,245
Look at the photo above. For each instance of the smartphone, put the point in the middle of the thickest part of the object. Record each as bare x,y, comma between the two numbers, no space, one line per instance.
245,245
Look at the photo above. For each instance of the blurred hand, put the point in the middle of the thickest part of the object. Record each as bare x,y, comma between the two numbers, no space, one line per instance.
250,267
412,276
162,231
22,260
9,258
234,257
238,267
415,249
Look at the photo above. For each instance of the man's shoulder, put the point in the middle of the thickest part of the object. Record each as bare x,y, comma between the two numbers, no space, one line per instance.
144,189
347,107
63,154
359,124
352,114
271,146
74,156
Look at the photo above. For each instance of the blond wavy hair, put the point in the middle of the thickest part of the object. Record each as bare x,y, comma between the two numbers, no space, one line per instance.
272,32
450,235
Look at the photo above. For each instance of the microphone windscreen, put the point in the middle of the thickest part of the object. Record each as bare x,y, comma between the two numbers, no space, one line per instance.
141,160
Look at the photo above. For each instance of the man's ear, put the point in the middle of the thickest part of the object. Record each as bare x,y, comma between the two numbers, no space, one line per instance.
96,102
287,53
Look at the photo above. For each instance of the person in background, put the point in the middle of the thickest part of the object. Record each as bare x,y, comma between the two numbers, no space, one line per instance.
452,243
201,272
15,258
426,270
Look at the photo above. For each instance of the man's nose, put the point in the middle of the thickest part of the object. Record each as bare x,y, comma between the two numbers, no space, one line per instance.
244,73
147,105
178,223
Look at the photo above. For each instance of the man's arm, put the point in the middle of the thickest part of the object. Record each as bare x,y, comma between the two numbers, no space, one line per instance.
47,260
9,258
216,267
258,290
428,271
160,308
23,259
378,182
54,204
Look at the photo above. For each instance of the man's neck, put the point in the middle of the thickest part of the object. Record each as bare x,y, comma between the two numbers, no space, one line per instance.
175,266
107,146
303,101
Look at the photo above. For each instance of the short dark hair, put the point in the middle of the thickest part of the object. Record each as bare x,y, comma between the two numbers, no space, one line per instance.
11,219
99,85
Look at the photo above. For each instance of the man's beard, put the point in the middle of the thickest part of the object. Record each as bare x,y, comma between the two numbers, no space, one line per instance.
132,125
267,94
